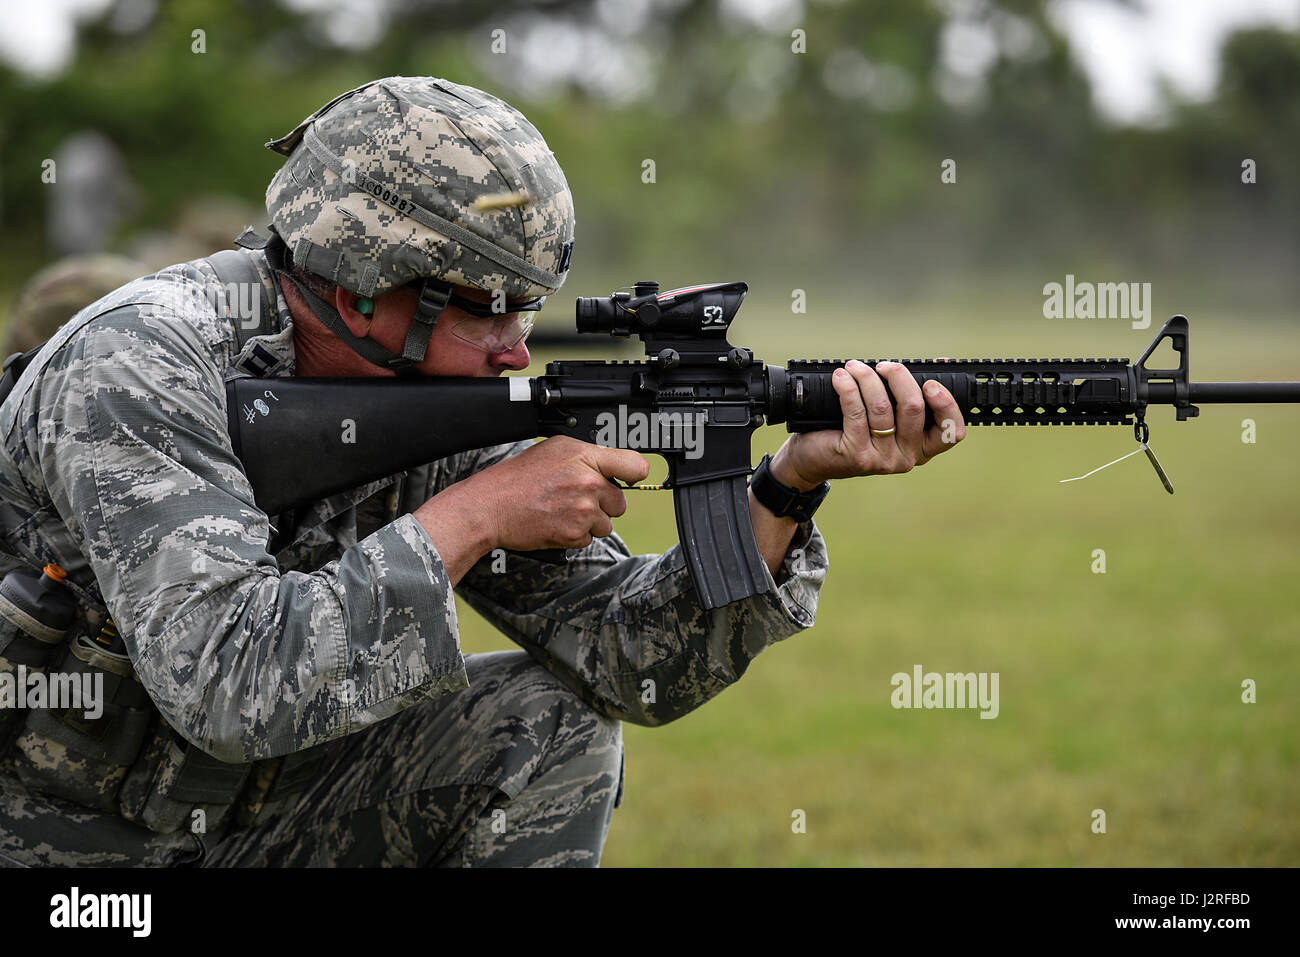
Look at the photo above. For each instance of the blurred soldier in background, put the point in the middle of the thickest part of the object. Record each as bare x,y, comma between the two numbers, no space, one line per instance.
93,192
206,223
61,290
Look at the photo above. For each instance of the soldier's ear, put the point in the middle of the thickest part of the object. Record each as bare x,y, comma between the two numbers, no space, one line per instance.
357,311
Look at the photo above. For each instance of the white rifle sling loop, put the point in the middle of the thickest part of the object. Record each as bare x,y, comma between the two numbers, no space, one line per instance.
1141,432
1079,478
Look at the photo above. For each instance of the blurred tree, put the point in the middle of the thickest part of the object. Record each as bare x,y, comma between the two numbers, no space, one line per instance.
819,152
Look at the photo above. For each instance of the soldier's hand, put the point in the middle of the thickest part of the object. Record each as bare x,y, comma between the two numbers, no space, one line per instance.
557,494
808,459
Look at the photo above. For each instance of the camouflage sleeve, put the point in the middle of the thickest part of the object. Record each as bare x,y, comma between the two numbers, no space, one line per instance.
626,632
244,661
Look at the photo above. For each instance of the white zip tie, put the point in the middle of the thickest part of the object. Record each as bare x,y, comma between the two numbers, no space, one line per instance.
1140,448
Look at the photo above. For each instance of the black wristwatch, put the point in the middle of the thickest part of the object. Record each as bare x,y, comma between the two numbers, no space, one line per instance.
781,500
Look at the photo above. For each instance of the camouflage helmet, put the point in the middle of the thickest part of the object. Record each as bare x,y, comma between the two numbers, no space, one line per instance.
410,178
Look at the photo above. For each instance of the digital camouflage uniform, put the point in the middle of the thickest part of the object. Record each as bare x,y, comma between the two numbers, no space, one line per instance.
329,633
61,290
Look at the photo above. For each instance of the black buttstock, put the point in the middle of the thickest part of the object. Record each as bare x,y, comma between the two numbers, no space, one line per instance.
301,440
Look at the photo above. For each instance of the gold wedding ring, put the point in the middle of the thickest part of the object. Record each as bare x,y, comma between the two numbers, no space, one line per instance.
883,433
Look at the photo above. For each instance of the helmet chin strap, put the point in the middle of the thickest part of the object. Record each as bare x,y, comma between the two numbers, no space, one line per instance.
434,294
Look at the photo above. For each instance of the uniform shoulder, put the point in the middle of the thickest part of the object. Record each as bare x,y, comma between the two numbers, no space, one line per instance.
182,304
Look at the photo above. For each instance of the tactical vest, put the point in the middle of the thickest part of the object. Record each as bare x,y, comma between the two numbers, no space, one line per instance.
126,759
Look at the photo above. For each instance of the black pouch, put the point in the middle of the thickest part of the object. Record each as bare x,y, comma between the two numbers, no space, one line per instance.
175,784
22,656
64,752
35,615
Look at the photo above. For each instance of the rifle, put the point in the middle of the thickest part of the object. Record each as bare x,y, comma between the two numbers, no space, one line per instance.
695,399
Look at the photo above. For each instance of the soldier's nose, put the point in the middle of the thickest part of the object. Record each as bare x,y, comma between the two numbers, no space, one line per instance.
516,359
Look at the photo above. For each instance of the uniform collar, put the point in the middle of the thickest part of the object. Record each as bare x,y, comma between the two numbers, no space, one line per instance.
266,350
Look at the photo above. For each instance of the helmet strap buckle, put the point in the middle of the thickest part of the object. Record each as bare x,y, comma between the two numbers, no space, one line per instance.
434,296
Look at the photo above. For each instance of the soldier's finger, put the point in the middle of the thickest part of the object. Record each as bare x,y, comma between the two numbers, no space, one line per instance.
852,408
909,409
880,411
611,499
623,464
949,424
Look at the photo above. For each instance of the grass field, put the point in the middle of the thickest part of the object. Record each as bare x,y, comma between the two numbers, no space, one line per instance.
1119,691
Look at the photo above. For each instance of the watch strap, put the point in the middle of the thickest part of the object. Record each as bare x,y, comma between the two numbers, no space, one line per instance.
781,500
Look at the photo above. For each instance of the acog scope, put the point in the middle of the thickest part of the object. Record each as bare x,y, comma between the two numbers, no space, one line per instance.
692,311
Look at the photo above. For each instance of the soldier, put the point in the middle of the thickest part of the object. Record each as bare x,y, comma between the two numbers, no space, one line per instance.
286,690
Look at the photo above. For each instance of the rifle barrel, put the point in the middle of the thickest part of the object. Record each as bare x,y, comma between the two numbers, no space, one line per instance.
1163,392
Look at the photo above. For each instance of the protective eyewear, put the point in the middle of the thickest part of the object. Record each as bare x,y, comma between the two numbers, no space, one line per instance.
497,334
488,329
484,310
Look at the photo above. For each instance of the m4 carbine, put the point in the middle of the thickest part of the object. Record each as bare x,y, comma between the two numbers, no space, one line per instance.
695,399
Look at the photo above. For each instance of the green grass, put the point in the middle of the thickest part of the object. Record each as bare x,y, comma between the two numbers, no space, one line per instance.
1118,691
